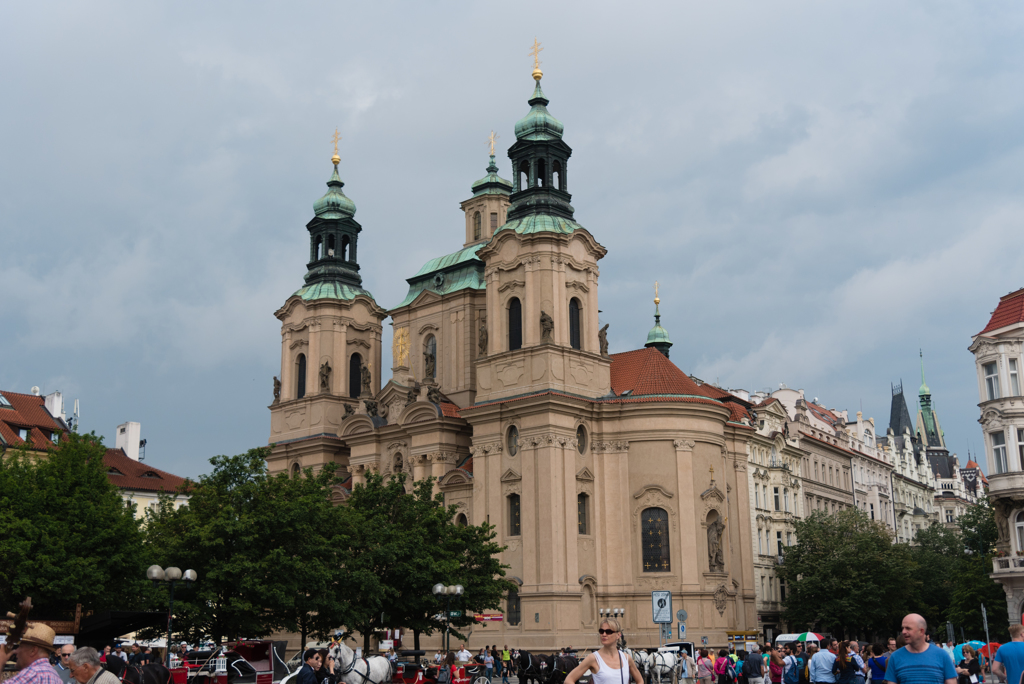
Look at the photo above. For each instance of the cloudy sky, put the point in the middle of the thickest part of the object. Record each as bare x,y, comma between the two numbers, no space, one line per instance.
821,188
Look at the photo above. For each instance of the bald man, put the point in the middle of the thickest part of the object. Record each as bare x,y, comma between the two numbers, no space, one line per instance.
919,662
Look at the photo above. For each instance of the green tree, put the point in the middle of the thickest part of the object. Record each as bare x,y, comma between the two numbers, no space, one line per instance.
936,553
267,549
845,575
402,544
972,585
66,535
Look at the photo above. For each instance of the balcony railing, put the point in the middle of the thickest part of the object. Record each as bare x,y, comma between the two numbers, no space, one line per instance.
1007,564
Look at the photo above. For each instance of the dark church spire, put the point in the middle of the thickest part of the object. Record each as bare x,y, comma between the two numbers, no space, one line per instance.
333,234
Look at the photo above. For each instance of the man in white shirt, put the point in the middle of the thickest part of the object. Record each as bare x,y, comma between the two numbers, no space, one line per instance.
463,655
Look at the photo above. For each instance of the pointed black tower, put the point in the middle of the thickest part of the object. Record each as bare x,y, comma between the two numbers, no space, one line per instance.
333,235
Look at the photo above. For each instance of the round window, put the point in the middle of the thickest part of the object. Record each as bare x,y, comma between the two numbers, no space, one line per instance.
513,440
581,439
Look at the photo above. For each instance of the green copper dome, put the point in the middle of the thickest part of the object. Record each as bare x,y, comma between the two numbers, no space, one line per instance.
492,183
539,124
334,205
658,337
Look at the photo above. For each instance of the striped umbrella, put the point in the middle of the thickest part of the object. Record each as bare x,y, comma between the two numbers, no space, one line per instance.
809,636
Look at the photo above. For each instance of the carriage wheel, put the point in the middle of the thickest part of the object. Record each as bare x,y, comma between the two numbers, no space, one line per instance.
481,680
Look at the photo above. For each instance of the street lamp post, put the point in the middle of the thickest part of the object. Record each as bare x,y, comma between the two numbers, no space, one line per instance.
171,576
447,592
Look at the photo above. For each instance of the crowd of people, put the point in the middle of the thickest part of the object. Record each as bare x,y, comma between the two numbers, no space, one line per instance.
496,662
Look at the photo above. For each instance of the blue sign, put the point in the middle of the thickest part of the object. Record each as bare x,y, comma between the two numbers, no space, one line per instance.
682,630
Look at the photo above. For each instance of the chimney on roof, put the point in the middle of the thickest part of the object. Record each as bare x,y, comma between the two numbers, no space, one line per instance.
54,403
128,435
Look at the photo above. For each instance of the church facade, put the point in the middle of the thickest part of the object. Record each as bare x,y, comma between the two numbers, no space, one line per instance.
606,475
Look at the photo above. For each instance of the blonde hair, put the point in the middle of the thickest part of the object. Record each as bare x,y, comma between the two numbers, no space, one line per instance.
1015,630
613,623
968,650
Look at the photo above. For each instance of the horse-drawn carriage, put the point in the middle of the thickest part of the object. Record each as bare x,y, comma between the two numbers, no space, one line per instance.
245,662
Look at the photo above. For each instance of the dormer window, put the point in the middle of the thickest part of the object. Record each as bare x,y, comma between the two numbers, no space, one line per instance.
4,403
23,433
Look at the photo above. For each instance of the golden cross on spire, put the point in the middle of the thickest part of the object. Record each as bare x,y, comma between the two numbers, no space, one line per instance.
491,138
334,139
535,53
657,300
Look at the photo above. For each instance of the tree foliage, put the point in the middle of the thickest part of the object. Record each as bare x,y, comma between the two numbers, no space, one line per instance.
845,576
66,535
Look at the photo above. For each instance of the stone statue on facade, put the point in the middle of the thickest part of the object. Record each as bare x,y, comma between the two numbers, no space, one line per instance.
602,338
716,556
547,328
413,394
371,408
349,410
433,394
277,390
325,376
482,335
364,376
429,364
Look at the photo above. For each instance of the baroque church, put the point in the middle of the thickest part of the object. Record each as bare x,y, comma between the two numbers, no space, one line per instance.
606,475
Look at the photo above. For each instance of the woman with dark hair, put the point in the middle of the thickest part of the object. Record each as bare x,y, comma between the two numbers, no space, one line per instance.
705,668
325,675
722,667
846,666
877,663
775,664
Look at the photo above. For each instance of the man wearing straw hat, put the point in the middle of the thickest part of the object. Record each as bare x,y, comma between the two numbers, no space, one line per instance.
33,656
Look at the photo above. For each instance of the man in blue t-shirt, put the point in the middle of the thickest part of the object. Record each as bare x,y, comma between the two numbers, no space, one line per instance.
1009,660
919,662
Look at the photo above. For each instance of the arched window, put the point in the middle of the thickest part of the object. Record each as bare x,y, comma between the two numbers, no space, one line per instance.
556,175
1020,530
542,176
513,440
477,227
344,247
581,439
514,527
654,538
513,607
300,376
318,252
330,245
523,176
574,323
515,324
296,470
461,521
430,357
581,513
355,375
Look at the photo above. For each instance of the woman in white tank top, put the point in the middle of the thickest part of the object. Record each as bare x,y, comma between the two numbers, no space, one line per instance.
609,665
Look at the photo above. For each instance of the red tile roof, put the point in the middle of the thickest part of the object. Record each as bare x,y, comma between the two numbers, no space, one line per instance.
27,411
126,473
1009,311
823,414
449,410
647,371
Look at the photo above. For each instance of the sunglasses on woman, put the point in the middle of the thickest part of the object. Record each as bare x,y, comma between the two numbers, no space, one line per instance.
606,631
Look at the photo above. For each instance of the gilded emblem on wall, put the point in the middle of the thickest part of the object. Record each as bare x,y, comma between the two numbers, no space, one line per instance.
400,347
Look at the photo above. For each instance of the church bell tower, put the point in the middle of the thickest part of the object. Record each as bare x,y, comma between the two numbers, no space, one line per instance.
330,342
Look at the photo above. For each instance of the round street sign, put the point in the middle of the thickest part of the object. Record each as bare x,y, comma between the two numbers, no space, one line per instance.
681,615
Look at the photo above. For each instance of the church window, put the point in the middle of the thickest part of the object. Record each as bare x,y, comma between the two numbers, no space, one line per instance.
318,250
515,324
574,323
430,357
355,375
295,470
581,439
513,607
654,537
991,380
1019,524
330,245
581,513
556,175
345,247
461,520
513,440
999,451
476,226
523,177
514,524
776,492
542,176
300,376
494,222
1014,380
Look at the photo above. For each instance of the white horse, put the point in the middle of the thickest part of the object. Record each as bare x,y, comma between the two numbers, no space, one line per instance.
349,669
662,663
